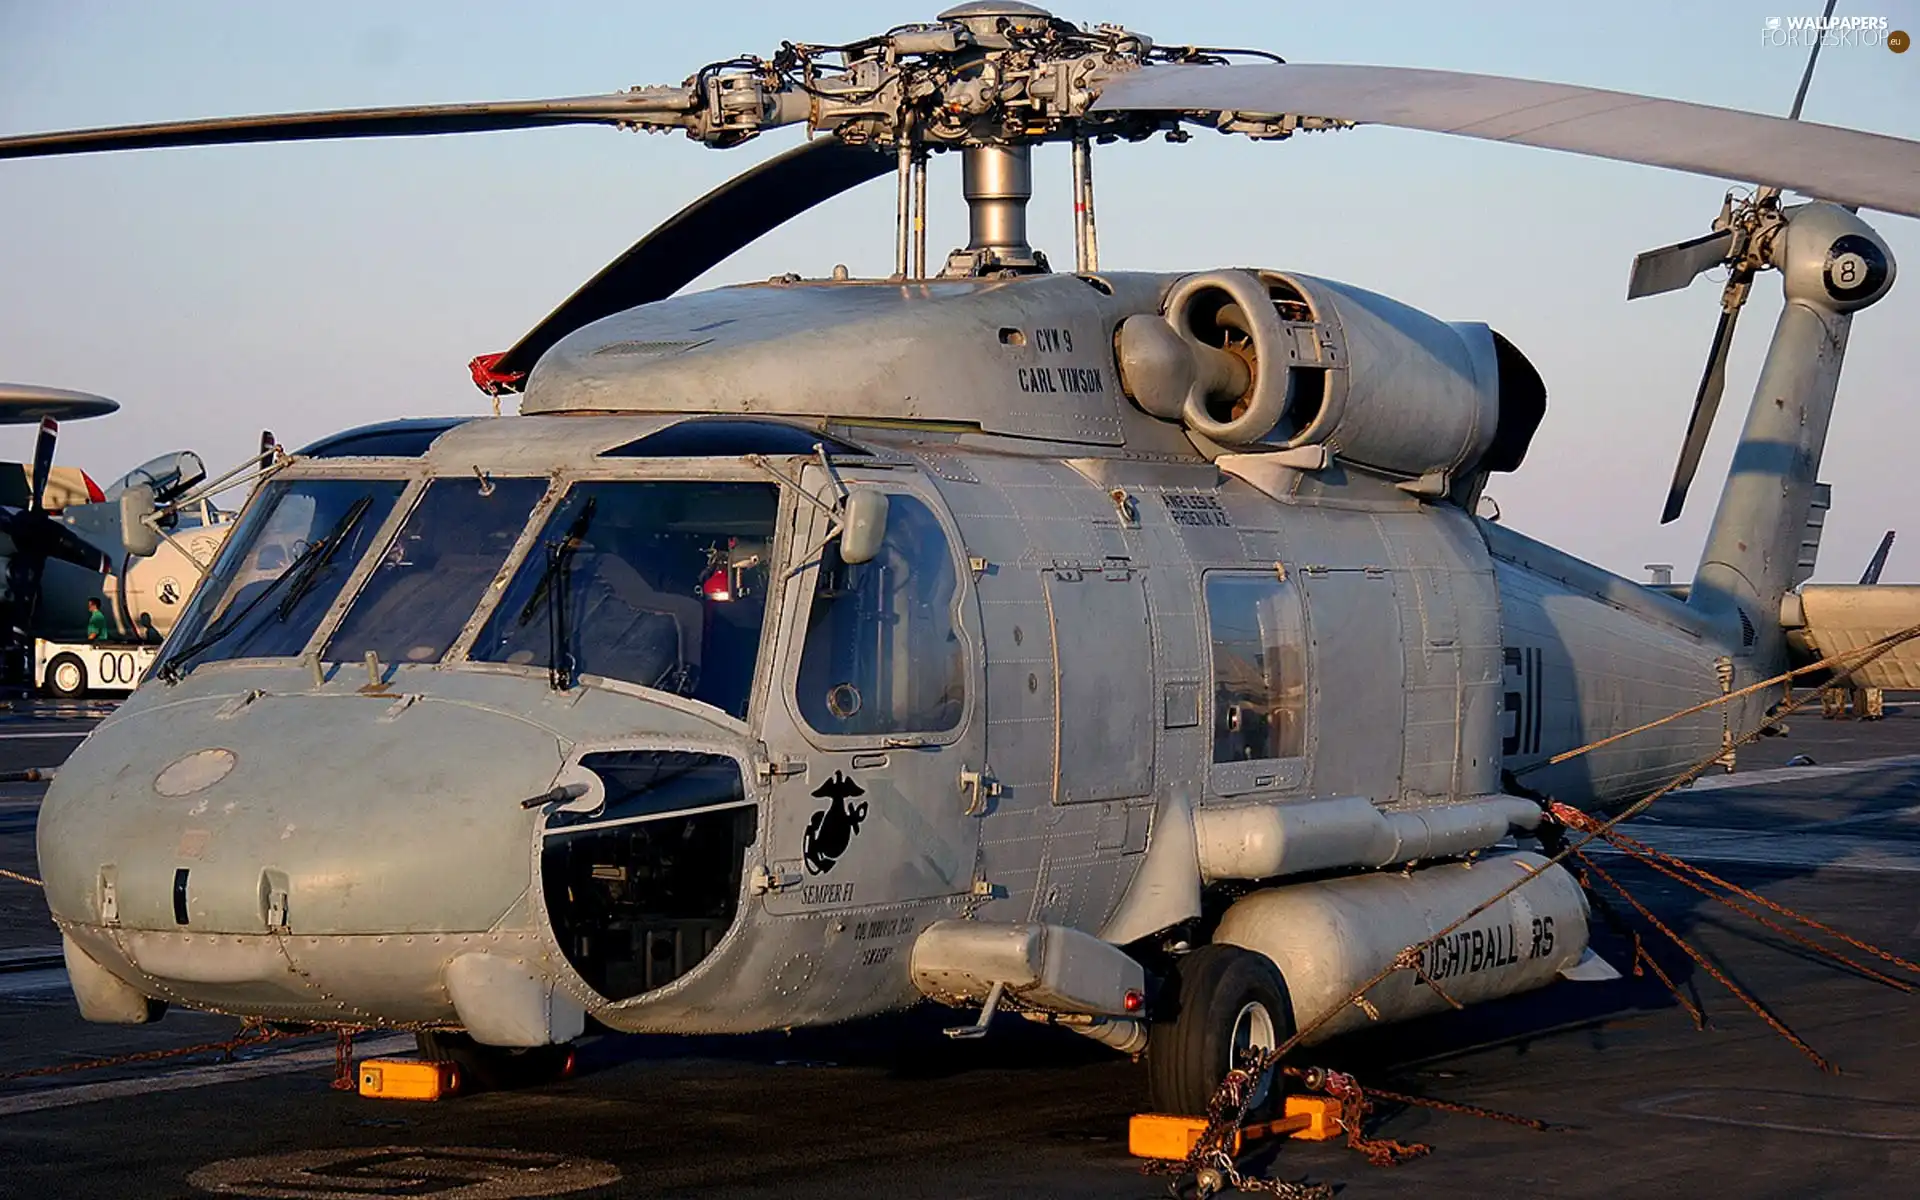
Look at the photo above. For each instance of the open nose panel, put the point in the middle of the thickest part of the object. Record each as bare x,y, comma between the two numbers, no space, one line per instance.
643,887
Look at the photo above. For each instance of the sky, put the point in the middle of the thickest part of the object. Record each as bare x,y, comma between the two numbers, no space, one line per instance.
309,288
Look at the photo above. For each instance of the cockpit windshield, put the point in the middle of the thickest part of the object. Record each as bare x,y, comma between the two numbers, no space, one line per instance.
283,570
431,578
663,584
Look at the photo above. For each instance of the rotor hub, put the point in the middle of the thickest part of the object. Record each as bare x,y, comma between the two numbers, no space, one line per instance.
984,16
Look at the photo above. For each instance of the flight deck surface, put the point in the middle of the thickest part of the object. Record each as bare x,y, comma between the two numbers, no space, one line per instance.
1645,1104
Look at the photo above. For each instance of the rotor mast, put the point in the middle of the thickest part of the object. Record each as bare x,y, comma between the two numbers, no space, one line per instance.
995,179
997,182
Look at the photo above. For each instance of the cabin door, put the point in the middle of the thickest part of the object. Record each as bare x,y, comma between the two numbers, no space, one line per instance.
875,712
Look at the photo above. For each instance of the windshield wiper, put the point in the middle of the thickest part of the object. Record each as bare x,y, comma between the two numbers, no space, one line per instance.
316,563
304,567
551,593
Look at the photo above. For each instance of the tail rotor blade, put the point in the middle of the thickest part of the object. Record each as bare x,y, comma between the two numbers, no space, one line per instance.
1706,403
43,463
1671,268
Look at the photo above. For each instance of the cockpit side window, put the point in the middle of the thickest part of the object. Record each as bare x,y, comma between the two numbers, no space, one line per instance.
659,583
882,652
282,569
432,576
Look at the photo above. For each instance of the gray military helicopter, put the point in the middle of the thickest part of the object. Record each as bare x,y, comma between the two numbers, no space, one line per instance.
1077,644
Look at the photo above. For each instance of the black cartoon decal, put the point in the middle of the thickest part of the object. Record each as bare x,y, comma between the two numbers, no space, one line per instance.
831,830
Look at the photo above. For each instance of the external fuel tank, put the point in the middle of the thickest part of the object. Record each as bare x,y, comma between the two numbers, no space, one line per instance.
1329,937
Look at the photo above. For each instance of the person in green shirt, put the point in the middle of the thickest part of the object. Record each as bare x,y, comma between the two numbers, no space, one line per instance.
96,621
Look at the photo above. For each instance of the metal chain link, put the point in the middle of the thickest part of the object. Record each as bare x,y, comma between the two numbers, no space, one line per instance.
1553,837
1210,1163
249,1035
1284,1189
1459,1109
343,1077
1673,867
1705,964
1654,857
1354,1107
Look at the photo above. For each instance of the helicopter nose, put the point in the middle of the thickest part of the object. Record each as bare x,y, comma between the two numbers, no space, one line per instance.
304,857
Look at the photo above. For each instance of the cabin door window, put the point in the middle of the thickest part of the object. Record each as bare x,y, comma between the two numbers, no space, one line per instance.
882,651
1259,682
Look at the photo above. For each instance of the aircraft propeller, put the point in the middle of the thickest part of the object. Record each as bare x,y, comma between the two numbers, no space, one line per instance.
33,534
36,536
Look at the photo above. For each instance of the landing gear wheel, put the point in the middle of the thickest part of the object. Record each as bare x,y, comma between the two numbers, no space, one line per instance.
67,677
1225,1001
494,1068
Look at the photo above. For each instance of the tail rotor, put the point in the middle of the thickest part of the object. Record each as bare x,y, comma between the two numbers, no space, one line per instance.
1742,241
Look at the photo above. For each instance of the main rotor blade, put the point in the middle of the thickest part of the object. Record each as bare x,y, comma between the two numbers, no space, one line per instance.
406,121
1706,402
1813,57
1671,268
1843,165
695,239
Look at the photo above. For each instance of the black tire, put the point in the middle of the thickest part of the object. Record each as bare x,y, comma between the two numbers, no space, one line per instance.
1215,992
76,672
494,1068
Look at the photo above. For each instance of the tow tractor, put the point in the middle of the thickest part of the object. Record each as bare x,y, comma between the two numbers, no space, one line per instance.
70,670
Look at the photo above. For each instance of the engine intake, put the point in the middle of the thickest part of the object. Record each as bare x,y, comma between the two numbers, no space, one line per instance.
1206,360
1267,359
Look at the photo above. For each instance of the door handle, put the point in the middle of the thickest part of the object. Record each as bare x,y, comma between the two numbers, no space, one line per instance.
771,879
766,771
978,787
